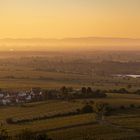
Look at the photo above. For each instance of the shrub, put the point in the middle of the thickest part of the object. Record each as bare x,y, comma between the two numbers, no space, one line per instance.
25,135
4,134
29,135
9,121
87,109
132,106
42,136
122,107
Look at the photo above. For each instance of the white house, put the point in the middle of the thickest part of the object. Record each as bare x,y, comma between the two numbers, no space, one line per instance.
22,94
28,98
1,95
5,101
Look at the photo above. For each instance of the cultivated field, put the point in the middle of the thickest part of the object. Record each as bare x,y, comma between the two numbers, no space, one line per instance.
78,126
54,70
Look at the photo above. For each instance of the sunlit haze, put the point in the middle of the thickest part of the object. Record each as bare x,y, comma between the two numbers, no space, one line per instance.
69,18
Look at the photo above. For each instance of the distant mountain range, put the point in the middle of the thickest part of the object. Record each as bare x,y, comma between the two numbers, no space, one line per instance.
84,43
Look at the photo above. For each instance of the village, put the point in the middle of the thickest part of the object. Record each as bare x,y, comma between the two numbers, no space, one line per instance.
8,97
17,97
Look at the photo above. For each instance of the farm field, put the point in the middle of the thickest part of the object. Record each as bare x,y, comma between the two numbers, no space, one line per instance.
24,70
52,72
61,128
53,107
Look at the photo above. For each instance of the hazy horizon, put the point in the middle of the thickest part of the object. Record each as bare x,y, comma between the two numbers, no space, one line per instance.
68,44
67,25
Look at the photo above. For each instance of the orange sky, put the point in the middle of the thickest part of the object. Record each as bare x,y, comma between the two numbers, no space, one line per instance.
69,18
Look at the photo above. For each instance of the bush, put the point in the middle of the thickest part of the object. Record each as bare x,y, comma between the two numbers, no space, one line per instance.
123,90
87,109
4,134
25,135
122,107
9,121
132,106
137,92
109,109
42,136
29,135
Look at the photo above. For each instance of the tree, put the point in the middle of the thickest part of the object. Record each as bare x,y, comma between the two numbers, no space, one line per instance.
87,109
42,136
123,90
89,90
25,135
63,90
100,110
29,135
3,133
84,90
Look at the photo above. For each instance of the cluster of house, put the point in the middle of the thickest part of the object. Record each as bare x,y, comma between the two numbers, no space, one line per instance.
11,98
36,94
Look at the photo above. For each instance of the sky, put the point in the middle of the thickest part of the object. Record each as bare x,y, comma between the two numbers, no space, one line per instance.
69,18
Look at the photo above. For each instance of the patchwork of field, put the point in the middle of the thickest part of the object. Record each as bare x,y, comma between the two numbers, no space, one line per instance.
53,70
78,126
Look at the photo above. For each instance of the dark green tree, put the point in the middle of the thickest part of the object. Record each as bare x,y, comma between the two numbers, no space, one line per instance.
87,109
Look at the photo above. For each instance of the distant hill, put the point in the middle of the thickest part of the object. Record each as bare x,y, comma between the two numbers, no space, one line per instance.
85,43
